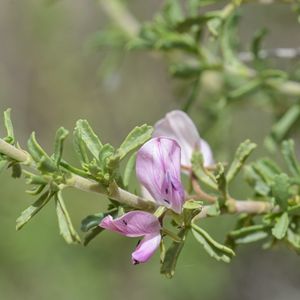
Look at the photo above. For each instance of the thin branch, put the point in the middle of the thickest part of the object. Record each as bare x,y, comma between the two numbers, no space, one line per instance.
13,152
82,183
124,197
241,206
121,16
200,193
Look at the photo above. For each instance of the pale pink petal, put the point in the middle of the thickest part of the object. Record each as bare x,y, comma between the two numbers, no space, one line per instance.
179,126
158,170
146,248
207,153
132,224
145,194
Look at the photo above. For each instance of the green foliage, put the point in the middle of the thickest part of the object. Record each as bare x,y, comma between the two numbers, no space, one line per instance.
281,226
213,248
60,137
10,137
85,140
64,221
289,156
103,166
32,210
249,234
242,153
136,138
90,225
171,256
44,163
201,172
280,190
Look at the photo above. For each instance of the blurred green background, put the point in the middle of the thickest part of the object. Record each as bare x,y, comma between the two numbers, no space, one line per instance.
50,75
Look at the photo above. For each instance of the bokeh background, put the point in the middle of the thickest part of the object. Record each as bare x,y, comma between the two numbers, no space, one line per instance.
51,75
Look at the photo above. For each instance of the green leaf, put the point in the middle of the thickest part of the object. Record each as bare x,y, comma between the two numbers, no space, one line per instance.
281,226
242,153
34,179
16,170
262,189
9,127
200,172
294,210
60,137
64,221
256,181
79,147
288,151
257,41
36,191
92,234
92,221
88,138
280,190
45,163
200,20
162,249
172,41
185,70
136,138
252,237
106,152
221,181
32,210
192,204
281,128
172,12
245,89
214,210
249,234
170,259
214,26
267,169
129,169
213,248
293,238
228,38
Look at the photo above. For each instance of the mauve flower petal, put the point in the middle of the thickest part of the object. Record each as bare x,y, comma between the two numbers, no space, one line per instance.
158,170
179,126
146,248
133,224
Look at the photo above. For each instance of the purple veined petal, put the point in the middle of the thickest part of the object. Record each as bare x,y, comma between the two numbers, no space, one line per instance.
158,170
179,126
146,248
132,224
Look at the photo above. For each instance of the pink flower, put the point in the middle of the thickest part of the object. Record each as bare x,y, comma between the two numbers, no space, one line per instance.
158,170
178,126
137,224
